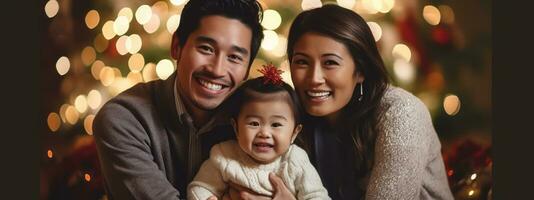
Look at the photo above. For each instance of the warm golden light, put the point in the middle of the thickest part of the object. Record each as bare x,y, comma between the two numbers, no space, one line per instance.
431,15
88,124
87,177
107,30
152,25
127,12
96,68
256,65
368,6
349,4
135,77
473,176
451,104
270,40
121,45
271,19
119,85
133,43
404,70
383,6
101,43
49,153
117,72
161,8
92,18
121,25
88,55
164,68
402,51
172,23
54,122
51,8
62,111
143,14
80,103
310,4
107,76
136,62
178,2
149,72
94,99
376,30
62,65
447,15
72,115
471,192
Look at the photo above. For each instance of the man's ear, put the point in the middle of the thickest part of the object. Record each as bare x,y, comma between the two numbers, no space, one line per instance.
234,125
296,132
175,47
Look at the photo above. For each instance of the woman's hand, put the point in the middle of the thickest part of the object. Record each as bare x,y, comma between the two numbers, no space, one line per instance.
237,192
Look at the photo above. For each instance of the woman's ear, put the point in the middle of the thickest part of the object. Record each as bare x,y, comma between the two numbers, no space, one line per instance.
175,48
360,77
296,132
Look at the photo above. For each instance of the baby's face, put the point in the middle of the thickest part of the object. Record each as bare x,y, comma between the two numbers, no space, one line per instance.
265,129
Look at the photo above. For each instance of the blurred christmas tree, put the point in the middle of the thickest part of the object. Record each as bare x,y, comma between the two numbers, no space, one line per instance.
93,50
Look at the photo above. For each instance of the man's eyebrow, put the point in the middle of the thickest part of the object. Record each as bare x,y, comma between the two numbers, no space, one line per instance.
241,50
206,39
300,54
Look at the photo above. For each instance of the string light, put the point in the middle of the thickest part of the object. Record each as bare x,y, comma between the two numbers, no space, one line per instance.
54,121
62,65
271,19
92,18
121,25
126,12
51,8
133,43
471,192
87,177
107,30
121,45
473,176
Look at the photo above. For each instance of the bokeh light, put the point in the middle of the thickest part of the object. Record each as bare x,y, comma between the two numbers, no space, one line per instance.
92,18
149,72
121,45
164,68
172,23
349,4
447,14
94,99
178,2
87,177
404,71
135,77
310,4
136,62
143,14
54,121
50,153
126,12
72,115
383,6
133,43
270,40
107,76
152,25
62,111
376,30
51,8
107,30
401,51
88,55
431,15
96,68
121,25
80,103
451,104
271,19
101,43
88,124
62,65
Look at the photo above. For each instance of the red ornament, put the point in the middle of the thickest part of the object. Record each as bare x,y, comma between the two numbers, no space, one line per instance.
271,74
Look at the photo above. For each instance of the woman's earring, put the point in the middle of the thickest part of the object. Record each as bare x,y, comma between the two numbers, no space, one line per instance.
361,92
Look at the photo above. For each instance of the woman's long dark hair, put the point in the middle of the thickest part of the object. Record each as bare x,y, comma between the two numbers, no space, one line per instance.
357,124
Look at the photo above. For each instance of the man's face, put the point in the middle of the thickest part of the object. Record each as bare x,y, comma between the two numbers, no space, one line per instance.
212,62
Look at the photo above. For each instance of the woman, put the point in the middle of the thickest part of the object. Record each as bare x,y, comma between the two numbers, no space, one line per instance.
367,139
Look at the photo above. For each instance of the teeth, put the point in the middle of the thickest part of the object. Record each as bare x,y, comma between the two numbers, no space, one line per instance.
318,94
209,85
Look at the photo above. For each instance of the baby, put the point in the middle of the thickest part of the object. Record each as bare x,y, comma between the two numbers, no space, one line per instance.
266,123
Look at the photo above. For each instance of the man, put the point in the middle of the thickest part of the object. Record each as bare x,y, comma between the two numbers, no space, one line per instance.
152,138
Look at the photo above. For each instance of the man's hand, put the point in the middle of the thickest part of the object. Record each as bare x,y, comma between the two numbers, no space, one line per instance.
237,192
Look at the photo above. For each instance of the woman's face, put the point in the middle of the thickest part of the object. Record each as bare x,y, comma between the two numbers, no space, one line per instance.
323,73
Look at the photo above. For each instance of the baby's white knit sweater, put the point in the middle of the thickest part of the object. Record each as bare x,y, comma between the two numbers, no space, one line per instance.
228,163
